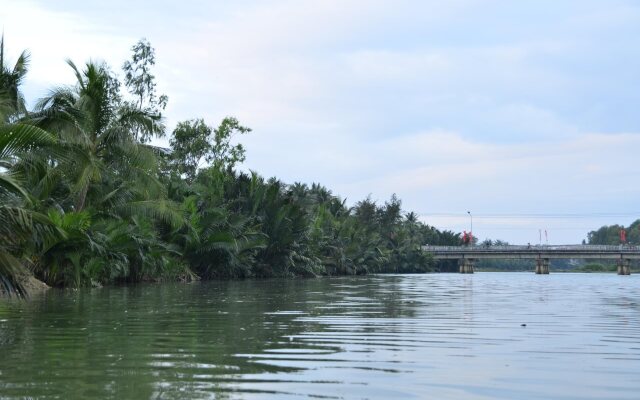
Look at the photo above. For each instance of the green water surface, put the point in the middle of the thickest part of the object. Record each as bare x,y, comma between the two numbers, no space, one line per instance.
376,337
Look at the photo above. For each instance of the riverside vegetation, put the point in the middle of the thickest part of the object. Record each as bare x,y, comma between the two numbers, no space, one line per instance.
86,200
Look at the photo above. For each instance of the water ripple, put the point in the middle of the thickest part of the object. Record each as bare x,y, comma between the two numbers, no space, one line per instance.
485,336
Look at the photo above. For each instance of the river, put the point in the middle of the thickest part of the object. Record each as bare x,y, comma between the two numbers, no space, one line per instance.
437,336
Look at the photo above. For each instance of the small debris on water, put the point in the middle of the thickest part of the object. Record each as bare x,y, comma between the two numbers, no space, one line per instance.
523,324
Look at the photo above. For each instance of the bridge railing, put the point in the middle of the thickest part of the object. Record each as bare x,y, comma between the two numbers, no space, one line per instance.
571,247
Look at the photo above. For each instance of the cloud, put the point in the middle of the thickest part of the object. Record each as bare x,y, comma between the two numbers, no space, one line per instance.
53,36
443,172
456,105
442,160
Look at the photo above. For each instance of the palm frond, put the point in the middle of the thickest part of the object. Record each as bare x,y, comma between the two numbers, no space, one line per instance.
161,210
22,137
9,184
140,120
11,270
89,172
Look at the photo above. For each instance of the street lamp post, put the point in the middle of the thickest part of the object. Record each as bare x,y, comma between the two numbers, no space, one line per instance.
471,231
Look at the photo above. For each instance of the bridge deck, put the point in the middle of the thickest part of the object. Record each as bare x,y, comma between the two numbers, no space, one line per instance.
534,252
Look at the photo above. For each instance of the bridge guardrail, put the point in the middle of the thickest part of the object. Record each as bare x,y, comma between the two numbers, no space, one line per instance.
579,247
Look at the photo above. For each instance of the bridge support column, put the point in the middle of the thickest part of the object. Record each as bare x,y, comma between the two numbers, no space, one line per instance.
624,266
466,266
542,266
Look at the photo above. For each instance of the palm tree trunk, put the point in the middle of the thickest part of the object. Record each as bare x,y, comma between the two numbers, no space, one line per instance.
82,197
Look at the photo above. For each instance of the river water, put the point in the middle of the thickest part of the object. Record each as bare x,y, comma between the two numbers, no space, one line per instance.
440,336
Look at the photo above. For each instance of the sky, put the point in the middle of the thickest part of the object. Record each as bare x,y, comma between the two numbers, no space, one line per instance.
524,116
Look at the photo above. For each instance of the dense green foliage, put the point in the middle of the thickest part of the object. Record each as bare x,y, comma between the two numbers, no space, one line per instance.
85,200
597,267
610,234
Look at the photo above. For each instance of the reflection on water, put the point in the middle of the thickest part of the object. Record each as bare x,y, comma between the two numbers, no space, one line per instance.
377,337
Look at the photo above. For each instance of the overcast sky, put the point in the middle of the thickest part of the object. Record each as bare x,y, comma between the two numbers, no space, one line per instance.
527,114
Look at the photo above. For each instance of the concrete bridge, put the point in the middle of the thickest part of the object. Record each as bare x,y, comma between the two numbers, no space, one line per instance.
467,255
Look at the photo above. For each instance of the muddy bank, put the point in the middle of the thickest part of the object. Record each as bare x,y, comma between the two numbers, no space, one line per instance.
29,283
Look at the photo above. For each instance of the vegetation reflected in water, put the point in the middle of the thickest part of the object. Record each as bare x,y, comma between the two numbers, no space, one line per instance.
448,336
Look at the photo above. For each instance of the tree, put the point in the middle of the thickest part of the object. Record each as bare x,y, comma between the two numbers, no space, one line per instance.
365,212
189,147
89,121
140,83
194,142
20,228
390,215
610,234
112,203
224,154
10,80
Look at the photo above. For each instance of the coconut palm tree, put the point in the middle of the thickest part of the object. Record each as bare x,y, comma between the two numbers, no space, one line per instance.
10,80
105,175
20,228
91,121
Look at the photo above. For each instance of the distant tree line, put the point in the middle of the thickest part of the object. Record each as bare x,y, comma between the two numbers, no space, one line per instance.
610,234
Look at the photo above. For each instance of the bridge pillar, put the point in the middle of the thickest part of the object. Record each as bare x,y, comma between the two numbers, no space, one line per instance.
624,266
466,266
542,266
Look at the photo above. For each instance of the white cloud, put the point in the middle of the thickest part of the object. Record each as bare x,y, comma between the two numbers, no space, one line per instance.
336,91
54,36
443,172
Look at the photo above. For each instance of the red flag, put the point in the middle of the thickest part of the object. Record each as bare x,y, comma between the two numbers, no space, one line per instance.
623,235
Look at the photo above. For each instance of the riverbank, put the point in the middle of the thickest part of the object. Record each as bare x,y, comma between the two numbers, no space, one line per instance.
29,284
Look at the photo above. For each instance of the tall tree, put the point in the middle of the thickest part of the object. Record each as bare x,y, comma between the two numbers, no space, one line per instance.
224,154
21,229
141,84
189,147
195,143
97,129
10,80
